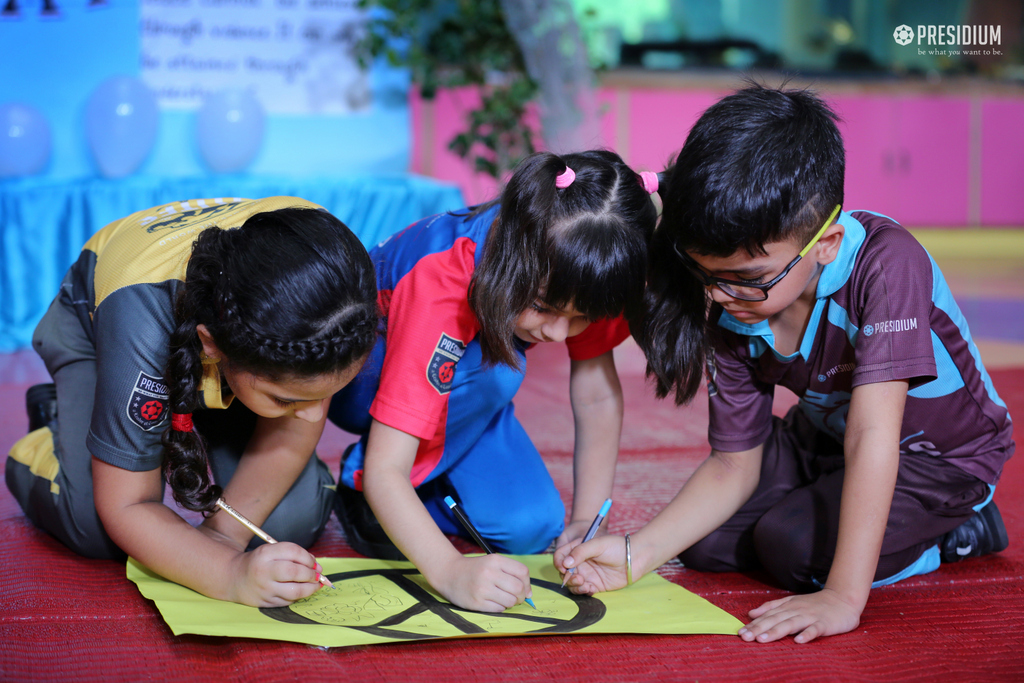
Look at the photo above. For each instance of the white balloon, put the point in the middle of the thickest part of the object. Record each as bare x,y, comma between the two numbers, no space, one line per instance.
121,121
229,130
24,140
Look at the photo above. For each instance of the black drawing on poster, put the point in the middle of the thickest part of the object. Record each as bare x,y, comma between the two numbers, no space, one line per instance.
392,612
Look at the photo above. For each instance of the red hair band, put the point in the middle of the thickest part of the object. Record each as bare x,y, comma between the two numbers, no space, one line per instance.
181,422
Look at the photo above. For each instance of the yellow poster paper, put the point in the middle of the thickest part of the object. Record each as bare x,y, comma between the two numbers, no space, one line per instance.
378,601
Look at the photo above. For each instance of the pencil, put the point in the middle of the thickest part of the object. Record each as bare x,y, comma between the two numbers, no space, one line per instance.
590,533
464,521
222,504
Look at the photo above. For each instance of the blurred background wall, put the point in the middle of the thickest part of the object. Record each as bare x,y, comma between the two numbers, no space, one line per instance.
112,106
934,132
142,102
324,114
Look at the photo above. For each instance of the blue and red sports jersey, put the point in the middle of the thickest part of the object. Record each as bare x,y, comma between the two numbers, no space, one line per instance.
423,277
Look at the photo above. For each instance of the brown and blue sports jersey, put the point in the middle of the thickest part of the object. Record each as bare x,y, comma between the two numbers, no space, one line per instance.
122,291
884,312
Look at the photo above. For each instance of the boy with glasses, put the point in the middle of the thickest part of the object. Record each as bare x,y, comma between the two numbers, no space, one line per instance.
888,464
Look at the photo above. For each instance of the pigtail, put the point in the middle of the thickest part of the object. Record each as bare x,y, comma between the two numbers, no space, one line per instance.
673,331
186,466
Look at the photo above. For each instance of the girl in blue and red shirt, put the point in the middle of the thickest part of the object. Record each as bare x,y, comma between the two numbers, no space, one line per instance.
561,256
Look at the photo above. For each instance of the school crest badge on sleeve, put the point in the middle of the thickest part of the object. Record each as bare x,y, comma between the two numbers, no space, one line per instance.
441,369
147,405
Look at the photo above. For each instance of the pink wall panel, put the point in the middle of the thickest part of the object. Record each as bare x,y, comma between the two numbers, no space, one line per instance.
450,107
909,157
659,121
933,160
1002,162
868,135
436,123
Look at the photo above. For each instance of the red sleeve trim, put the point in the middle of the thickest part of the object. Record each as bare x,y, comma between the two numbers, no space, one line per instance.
599,338
429,303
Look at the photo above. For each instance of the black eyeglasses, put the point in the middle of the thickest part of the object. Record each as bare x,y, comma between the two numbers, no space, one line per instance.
750,291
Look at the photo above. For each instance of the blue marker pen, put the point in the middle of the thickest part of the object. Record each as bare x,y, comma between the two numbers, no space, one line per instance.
590,533
464,520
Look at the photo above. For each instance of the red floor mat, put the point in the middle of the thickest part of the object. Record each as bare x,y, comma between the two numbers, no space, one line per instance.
63,617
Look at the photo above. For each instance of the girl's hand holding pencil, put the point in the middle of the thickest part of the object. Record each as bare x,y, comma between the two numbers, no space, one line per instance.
275,574
487,583
495,584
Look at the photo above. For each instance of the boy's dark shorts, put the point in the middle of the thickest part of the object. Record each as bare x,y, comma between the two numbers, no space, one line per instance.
789,525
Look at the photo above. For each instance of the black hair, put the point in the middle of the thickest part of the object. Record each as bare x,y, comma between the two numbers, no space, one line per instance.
584,245
290,294
762,165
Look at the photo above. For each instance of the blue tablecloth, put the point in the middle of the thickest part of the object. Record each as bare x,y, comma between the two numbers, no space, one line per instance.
43,224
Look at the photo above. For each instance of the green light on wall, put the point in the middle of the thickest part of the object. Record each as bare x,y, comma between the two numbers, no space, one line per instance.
629,16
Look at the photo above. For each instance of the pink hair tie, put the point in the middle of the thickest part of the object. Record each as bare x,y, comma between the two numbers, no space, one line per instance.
649,181
565,178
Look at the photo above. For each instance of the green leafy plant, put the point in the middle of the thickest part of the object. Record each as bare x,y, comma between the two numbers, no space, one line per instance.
455,43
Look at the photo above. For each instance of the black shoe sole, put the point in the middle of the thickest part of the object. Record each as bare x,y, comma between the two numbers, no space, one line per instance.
362,530
41,405
994,521
992,534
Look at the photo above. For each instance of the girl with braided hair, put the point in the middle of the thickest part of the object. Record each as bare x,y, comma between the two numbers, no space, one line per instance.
168,317
561,256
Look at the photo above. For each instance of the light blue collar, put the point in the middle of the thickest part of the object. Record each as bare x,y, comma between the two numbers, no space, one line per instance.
833,276
836,274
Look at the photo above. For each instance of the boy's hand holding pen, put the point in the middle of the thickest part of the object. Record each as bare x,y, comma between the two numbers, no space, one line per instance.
594,526
604,564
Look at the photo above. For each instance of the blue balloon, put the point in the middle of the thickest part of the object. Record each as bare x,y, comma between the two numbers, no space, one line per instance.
121,119
229,130
24,140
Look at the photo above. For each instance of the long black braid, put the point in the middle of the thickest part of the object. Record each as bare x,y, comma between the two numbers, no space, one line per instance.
291,293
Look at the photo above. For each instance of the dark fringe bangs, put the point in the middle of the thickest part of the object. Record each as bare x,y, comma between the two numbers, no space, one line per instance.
598,267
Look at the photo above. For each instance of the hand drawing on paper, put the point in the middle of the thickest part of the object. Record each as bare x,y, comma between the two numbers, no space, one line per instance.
394,603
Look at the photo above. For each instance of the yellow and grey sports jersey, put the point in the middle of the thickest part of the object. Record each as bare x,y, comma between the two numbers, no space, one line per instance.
122,291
